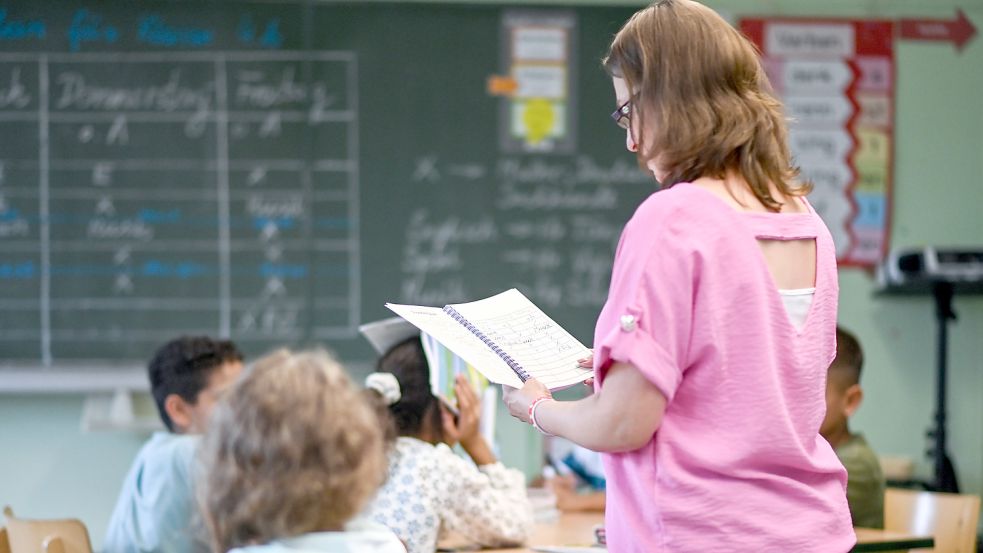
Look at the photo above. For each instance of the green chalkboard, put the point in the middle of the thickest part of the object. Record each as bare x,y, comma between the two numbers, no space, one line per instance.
276,172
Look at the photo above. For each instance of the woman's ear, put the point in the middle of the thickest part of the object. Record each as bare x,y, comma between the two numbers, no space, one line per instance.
179,411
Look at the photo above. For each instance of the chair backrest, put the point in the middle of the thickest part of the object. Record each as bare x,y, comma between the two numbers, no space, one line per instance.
46,536
4,541
950,518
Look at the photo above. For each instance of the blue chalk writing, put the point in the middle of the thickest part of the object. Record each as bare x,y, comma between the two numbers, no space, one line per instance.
159,216
283,270
246,30
12,29
181,270
282,223
271,37
154,30
88,27
20,271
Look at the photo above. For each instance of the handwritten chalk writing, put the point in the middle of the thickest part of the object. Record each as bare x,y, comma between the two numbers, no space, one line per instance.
534,258
88,27
546,291
13,29
14,227
415,289
153,29
102,174
320,103
620,171
430,246
534,171
587,228
271,126
451,230
86,133
426,169
269,320
265,95
551,229
118,133
196,124
589,277
123,284
14,94
74,92
290,206
544,196
115,229
584,171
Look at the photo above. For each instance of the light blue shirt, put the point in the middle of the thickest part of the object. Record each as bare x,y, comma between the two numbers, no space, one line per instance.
156,505
360,536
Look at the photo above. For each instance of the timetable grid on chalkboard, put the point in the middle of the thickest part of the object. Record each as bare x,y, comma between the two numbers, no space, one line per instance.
206,192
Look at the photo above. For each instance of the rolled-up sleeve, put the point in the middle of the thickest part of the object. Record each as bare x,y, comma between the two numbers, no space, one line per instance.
647,320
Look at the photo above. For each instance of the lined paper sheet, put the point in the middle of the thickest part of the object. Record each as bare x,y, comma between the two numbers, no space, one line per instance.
536,342
435,322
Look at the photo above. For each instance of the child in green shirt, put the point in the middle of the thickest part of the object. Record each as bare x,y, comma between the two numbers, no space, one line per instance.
865,486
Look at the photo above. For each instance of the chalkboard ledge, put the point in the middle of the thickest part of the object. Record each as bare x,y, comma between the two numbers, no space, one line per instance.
73,379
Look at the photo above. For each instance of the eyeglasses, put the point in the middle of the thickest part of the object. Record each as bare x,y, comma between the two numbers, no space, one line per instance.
622,115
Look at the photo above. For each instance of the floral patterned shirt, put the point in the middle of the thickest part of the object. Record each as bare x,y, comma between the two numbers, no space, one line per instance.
432,491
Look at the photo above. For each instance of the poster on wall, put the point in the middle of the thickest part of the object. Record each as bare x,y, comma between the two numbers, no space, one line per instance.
836,79
538,56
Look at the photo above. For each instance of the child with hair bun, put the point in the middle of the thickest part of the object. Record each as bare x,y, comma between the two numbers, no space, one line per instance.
430,490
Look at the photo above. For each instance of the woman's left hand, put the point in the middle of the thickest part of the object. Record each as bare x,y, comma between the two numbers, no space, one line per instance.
518,400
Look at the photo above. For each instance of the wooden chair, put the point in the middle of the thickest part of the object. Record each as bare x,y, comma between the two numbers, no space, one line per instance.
950,518
46,536
4,541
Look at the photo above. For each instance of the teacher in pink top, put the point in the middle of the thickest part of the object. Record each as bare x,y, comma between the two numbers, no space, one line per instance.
712,349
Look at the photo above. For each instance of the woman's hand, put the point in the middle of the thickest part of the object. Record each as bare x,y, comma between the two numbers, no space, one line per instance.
518,400
588,363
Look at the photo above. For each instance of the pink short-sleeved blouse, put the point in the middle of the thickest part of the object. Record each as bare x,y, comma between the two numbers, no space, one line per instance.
738,463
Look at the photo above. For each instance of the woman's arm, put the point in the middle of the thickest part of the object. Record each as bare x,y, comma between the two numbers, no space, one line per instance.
622,416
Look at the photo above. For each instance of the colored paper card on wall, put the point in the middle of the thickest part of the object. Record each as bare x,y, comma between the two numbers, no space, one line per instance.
836,79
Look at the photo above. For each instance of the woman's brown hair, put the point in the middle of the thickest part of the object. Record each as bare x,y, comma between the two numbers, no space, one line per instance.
702,105
293,448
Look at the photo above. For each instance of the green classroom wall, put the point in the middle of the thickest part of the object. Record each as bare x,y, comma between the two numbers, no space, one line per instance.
49,468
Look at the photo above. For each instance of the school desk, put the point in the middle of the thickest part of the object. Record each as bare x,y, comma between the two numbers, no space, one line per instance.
577,529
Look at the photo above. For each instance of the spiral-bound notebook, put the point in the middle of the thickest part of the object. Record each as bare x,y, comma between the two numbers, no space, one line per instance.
506,337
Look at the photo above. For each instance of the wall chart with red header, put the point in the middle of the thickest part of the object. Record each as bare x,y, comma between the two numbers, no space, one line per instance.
836,78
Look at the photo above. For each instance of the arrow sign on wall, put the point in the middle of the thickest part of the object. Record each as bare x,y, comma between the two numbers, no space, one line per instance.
959,31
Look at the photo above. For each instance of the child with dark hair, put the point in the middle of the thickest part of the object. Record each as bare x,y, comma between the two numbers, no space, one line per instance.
430,490
865,480
154,510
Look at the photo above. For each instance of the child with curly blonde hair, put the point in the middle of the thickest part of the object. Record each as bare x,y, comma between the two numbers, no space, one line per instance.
293,453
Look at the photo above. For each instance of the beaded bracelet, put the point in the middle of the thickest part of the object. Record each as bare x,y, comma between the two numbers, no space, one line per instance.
532,414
